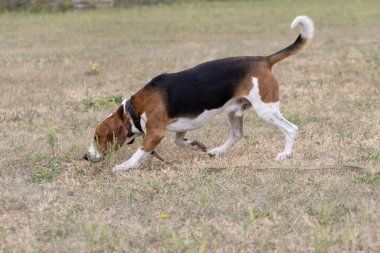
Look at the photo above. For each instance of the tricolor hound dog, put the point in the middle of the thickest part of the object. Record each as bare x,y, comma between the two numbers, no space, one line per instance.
187,100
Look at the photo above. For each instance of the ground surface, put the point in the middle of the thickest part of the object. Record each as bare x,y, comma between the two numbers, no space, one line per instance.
52,96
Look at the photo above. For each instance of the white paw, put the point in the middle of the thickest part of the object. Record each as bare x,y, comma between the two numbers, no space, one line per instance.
215,152
124,167
282,156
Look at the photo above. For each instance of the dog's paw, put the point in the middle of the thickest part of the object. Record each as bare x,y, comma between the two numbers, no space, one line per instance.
282,156
124,167
198,145
215,152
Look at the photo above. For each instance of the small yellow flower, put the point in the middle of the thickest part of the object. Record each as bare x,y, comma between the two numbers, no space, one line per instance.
164,216
94,67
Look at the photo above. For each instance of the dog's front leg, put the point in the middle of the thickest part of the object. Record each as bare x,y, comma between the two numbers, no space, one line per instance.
133,162
151,140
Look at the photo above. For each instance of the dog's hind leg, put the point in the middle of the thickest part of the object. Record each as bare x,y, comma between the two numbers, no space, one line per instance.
236,133
270,112
290,130
181,141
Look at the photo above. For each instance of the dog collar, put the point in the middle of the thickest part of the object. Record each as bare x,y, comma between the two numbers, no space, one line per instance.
135,118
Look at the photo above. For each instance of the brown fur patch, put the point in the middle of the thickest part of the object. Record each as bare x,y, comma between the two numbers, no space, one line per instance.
268,85
244,87
152,103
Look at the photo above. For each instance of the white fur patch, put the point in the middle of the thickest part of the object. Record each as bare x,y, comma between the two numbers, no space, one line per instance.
133,162
270,112
128,140
143,121
255,99
124,103
93,154
187,124
307,26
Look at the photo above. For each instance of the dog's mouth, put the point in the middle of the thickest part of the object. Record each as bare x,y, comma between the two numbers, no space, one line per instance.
85,156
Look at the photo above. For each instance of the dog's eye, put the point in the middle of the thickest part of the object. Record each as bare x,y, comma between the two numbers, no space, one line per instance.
95,138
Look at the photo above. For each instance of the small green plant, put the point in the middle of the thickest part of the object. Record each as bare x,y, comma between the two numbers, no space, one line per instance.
57,231
173,241
325,214
80,174
36,157
101,238
3,239
324,239
102,101
256,214
110,159
47,165
52,137
46,173
373,157
3,62
151,188
367,178
3,233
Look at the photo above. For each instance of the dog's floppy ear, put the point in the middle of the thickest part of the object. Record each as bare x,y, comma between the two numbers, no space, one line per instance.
120,111
121,135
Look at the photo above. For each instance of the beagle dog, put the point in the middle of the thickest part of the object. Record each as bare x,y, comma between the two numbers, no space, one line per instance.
187,100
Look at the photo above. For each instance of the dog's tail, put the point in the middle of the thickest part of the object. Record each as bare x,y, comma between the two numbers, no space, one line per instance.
307,31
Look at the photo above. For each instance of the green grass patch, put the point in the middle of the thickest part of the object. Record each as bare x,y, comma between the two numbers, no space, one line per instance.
373,157
46,173
36,6
367,178
295,119
101,237
370,155
102,101
256,214
35,157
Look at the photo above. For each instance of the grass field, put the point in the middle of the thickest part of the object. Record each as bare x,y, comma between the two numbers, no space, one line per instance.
60,74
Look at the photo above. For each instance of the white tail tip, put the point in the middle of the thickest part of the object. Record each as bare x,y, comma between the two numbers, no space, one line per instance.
307,26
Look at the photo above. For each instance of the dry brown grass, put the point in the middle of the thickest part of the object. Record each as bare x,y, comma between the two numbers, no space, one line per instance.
52,201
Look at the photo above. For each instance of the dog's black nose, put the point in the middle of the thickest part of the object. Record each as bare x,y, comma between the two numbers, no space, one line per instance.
85,157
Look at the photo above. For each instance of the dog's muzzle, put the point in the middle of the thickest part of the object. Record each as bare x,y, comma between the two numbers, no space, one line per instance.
92,155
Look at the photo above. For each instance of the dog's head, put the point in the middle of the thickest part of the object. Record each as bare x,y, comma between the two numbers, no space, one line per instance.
110,133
